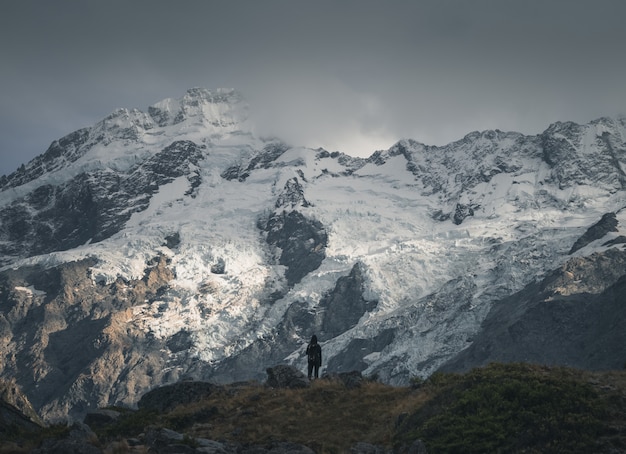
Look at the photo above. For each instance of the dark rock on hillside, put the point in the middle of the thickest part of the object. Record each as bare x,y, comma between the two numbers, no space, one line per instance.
618,240
92,206
16,410
249,363
101,418
219,267
166,398
172,241
463,211
262,160
81,328
342,308
564,150
351,357
80,440
608,223
572,318
285,376
67,149
292,195
302,241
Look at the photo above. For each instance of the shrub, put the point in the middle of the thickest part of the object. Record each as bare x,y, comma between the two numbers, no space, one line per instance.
507,408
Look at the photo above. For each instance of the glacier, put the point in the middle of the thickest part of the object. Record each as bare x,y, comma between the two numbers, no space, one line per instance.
398,257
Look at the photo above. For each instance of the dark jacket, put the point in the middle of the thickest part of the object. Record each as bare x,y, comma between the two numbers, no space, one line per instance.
314,354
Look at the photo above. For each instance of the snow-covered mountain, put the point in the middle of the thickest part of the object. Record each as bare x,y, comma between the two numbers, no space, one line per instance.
177,244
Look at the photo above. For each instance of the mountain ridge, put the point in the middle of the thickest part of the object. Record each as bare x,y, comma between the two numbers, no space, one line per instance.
188,248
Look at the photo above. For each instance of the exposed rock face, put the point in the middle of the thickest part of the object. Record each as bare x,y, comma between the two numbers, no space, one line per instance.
16,410
342,308
564,148
80,440
80,338
575,317
302,243
462,211
351,358
67,149
263,160
607,224
93,206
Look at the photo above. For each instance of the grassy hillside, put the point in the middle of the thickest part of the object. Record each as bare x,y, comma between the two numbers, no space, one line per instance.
499,408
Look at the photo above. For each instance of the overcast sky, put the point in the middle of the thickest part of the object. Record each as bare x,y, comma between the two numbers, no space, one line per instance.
354,76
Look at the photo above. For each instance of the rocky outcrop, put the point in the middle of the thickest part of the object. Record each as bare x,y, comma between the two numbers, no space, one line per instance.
59,153
351,358
80,439
166,398
91,207
607,224
81,338
344,305
575,317
462,211
263,159
302,242
292,196
15,409
566,148
285,376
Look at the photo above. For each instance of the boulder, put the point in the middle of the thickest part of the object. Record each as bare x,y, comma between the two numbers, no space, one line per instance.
101,418
166,398
284,376
80,440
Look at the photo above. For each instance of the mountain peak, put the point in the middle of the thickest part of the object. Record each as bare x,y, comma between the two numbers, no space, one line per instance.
222,108
218,95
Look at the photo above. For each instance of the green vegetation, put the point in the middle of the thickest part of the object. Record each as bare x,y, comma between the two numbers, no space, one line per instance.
18,440
512,408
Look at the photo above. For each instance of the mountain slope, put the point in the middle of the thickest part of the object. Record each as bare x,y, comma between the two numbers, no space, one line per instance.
175,244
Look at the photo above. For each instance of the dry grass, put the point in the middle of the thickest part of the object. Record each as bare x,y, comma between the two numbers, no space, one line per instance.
309,416
329,418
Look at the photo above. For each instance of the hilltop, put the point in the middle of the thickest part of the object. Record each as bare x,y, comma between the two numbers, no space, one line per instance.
498,408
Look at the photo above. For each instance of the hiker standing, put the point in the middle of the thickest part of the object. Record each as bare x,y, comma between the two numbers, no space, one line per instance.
314,356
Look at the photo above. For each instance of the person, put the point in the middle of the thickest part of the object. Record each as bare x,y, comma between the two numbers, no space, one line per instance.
314,356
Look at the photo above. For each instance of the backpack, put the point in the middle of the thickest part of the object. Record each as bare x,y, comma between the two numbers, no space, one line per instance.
313,352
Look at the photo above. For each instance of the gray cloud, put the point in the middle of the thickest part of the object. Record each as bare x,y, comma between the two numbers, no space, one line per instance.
350,75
